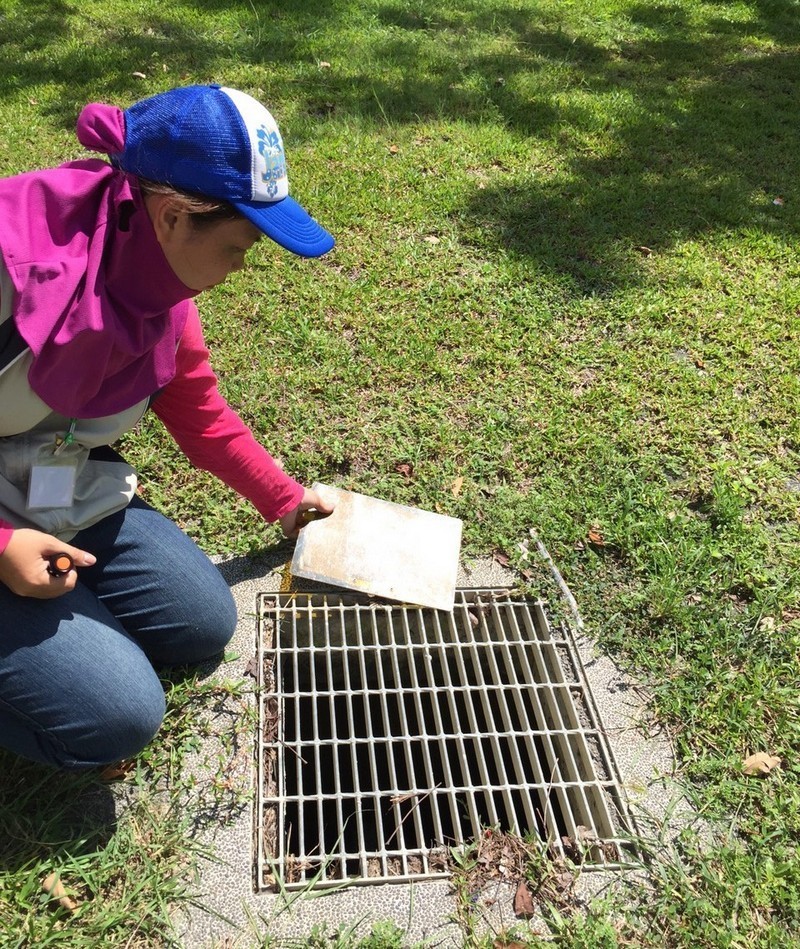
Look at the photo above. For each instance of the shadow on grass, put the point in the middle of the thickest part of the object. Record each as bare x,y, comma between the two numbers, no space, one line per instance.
667,129
46,814
706,145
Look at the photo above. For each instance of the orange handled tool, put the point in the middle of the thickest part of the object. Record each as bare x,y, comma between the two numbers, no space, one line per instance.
59,565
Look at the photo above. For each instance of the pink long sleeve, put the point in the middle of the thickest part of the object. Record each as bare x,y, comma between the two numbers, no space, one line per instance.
213,437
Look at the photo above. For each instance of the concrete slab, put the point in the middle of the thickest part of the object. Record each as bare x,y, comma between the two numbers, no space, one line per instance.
235,917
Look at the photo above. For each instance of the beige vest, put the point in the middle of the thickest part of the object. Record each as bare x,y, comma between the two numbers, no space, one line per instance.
28,432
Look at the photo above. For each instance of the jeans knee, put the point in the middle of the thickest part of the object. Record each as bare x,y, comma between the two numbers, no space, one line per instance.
121,730
134,729
211,630
196,626
219,625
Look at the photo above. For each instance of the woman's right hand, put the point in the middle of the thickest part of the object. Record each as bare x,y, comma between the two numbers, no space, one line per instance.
310,500
24,563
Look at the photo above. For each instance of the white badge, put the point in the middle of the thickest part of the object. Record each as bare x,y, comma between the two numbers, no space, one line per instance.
51,486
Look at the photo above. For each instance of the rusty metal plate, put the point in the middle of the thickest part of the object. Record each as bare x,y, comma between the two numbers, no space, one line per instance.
381,548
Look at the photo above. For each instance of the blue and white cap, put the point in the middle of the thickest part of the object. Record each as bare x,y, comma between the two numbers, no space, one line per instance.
224,144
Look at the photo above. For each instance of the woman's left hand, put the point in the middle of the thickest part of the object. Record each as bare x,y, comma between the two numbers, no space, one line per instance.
311,501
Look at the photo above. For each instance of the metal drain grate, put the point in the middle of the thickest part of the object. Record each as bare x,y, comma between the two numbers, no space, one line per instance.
389,733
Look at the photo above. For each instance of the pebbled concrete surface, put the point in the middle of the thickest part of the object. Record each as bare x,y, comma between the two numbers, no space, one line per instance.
230,915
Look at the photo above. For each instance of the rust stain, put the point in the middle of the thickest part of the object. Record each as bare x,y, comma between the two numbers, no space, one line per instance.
286,578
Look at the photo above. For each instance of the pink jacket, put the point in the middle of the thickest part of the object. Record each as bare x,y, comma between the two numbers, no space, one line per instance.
212,436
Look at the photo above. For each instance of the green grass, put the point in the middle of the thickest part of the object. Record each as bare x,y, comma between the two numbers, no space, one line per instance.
561,275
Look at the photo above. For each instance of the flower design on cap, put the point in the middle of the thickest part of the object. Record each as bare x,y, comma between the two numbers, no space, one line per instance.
271,150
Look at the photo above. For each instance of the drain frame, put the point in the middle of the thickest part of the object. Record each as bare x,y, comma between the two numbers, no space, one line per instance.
421,669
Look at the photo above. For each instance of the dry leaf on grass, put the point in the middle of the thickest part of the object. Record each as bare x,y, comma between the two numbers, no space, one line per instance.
456,486
523,901
55,890
595,536
117,770
760,764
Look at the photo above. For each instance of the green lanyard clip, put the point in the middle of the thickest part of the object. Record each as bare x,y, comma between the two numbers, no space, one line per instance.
67,439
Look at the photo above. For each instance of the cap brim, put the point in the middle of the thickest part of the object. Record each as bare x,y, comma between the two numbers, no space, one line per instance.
289,225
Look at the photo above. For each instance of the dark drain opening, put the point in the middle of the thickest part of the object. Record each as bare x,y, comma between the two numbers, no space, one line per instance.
461,762
389,733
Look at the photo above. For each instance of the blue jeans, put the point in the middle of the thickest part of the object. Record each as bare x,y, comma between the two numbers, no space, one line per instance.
77,683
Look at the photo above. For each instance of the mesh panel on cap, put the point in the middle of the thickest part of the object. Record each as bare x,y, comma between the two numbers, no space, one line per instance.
193,139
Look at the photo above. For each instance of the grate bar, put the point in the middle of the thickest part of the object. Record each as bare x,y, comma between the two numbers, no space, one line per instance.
388,733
